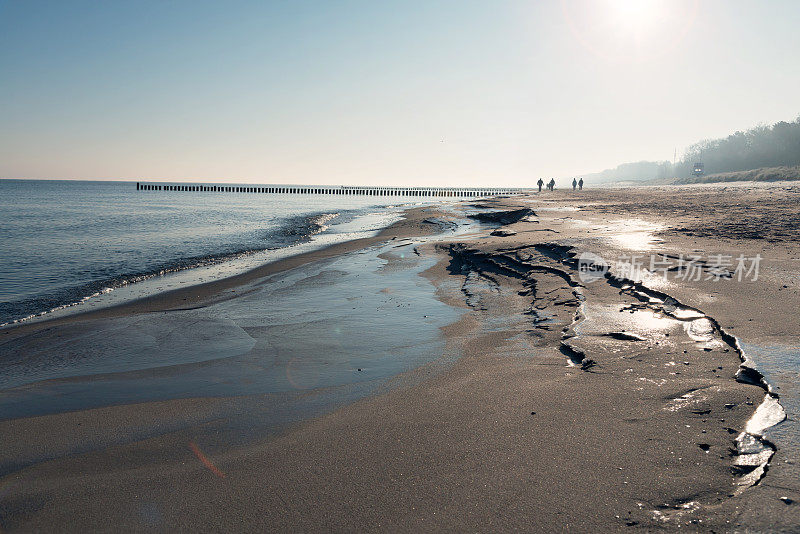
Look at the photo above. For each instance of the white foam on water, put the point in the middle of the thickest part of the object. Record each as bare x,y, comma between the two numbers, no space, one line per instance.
768,414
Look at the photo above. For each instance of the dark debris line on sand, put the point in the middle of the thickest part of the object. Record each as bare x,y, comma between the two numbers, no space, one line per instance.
753,450
526,263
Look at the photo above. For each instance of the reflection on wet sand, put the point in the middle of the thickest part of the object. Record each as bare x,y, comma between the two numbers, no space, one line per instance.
296,331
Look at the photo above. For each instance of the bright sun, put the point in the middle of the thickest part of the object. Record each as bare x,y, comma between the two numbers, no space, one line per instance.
635,12
629,30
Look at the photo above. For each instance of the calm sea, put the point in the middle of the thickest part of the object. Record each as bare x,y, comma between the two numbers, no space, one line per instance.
64,241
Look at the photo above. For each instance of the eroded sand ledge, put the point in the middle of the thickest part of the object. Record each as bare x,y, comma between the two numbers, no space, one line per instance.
554,405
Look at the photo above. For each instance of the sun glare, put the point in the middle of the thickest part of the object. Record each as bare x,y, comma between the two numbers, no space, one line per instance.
629,30
634,12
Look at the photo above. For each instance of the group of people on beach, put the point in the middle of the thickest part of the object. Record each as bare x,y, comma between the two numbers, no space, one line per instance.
552,184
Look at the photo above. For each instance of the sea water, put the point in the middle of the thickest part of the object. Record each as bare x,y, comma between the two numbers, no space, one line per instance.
65,242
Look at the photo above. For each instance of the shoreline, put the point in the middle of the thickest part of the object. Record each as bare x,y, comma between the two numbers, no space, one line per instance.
456,425
411,223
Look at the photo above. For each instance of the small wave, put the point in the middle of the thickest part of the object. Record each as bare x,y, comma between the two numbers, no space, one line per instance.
292,231
300,229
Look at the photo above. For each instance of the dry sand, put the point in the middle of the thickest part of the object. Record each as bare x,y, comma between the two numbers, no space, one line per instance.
555,405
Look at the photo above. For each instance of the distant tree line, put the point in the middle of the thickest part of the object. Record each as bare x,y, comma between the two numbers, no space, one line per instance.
763,146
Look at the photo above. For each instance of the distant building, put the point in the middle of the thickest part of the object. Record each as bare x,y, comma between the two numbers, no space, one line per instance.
699,169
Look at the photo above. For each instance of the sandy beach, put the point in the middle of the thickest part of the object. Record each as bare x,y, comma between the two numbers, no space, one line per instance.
462,370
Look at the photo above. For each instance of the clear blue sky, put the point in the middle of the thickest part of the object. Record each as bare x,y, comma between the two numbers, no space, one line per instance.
379,92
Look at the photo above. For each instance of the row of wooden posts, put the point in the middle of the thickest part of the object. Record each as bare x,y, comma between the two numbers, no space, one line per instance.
328,190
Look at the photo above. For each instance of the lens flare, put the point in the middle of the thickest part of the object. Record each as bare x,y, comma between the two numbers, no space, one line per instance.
204,460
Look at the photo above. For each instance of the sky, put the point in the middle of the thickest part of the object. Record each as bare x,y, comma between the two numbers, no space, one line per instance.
407,93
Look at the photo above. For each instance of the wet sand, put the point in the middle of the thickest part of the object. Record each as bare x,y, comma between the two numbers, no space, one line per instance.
728,220
536,401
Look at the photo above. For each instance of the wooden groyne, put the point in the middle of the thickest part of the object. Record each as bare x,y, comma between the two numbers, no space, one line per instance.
333,190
